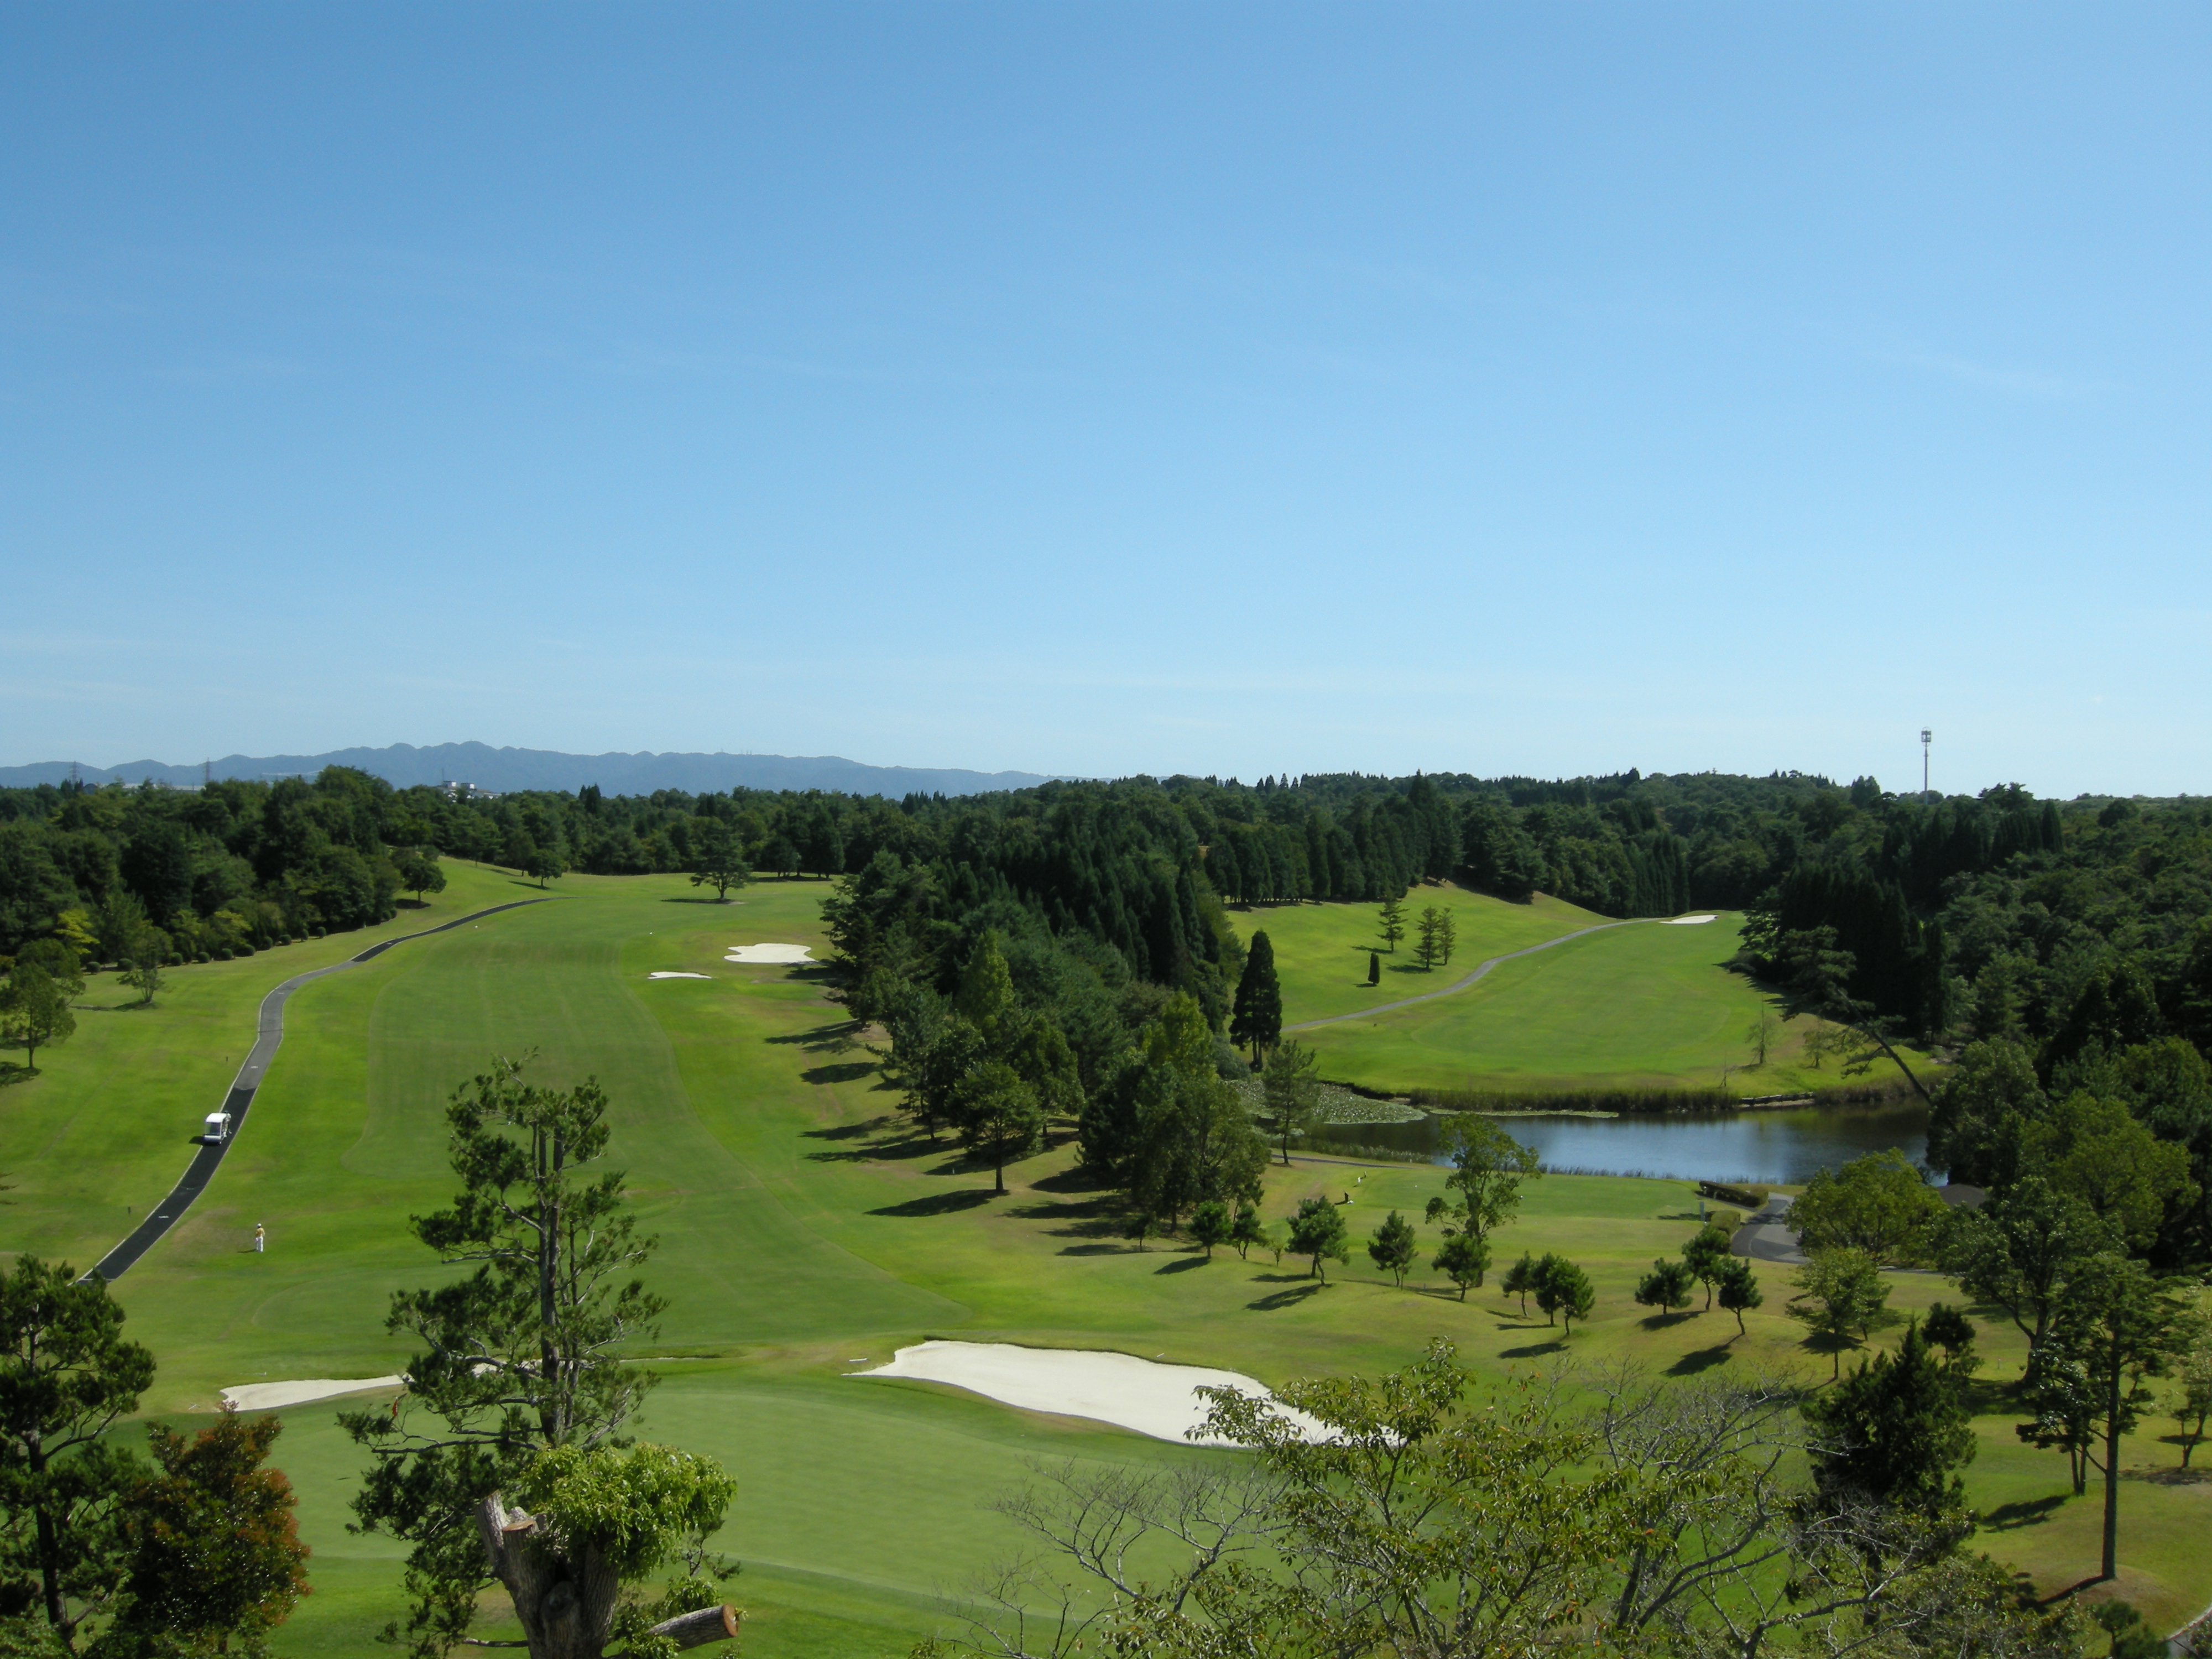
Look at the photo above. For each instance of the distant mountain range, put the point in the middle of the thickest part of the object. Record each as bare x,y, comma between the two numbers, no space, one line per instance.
502,770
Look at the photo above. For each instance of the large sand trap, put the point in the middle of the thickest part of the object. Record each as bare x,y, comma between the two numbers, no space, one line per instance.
767,953
1685,921
1111,1388
273,1396
679,975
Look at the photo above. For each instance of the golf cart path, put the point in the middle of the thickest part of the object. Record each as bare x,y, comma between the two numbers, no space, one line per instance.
1766,1234
268,1034
1480,968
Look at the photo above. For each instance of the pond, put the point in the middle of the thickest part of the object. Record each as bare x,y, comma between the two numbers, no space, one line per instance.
1776,1147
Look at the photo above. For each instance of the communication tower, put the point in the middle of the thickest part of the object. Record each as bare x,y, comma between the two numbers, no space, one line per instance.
1925,737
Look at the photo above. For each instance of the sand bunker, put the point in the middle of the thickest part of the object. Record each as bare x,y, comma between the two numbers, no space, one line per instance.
679,975
1110,1387
767,953
1685,921
273,1396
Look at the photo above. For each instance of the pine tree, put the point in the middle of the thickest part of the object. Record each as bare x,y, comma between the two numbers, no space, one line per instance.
1429,939
1257,1018
1394,924
1739,1289
1897,1428
1248,1229
1520,1280
1374,967
1393,1246
1317,1231
1666,1286
1209,1224
1463,1257
1704,1255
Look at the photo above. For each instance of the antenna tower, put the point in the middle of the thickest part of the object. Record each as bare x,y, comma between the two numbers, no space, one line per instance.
1926,736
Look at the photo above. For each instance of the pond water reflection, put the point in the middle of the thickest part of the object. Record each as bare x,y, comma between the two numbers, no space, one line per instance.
1785,1146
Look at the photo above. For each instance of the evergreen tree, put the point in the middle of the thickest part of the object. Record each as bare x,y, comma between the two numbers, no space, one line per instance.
1393,924
1289,1091
1317,1231
1257,1018
1447,936
1739,1289
519,1356
67,1376
1248,1229
1896,1430
1393,1246
1209,1224
1428,937
1463,1257
1704,1255
1374,967
1564,1288
1520,1280
1666,1286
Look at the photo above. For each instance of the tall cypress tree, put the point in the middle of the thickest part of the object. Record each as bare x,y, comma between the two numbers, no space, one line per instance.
1257,1018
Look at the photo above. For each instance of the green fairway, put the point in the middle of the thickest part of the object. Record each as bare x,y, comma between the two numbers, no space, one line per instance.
1321,949
1649,1005
802,1231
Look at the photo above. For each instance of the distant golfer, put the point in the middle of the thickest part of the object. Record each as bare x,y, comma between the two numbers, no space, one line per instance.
260,1238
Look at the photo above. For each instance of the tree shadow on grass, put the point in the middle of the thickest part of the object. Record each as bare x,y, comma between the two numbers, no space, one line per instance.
909,1144
1289,1298
849,1071
1533,1349
1071,1181
2171,1475
1086,1218
2027,1512
1098,1249
11,1072
1182,1265
1661,1321
967,1198
1699,1359
834,1037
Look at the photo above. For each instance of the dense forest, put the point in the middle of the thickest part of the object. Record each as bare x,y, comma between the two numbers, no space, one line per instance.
1980,916
2073,937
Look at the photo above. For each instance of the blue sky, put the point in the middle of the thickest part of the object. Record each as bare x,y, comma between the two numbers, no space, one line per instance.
1211,388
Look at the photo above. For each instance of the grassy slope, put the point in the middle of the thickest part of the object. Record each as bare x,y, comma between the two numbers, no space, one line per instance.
801,1232
1321,949
1645,1006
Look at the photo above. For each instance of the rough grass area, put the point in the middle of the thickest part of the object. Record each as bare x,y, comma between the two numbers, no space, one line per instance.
806,1230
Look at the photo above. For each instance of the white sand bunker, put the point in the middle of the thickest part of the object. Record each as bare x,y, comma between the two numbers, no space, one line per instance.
767,953
1685,921
273,1396
1110,1387
679,975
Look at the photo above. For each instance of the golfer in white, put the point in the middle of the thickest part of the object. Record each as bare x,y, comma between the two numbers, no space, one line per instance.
260,1238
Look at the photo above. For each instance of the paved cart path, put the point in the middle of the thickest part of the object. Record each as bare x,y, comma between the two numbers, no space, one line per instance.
1480,968
1766,1234
166,1214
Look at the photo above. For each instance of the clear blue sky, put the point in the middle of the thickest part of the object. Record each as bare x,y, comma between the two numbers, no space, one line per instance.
1214,388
